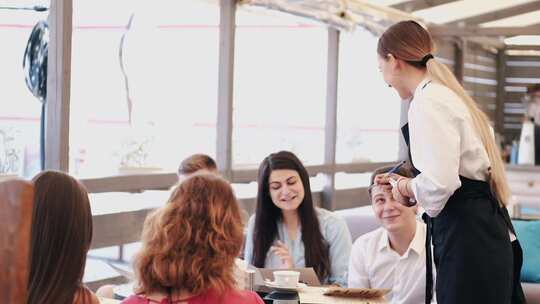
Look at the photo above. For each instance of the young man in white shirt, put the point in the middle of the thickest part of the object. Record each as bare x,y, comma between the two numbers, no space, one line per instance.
394,255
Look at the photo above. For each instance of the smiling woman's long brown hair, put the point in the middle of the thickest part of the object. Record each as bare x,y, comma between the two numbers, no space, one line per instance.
316,253
60,239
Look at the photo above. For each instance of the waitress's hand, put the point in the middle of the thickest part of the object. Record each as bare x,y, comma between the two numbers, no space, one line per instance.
399,187
383,180
282,251
399,195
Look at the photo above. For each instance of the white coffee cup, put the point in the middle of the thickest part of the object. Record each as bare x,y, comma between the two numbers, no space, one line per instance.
286,278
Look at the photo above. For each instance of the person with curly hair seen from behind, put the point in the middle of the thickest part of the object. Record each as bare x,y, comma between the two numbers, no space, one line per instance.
190,165
190,245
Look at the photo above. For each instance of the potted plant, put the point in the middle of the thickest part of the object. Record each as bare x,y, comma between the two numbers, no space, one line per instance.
135,155
11,158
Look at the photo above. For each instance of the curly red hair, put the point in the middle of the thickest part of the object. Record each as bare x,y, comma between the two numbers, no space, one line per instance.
191,243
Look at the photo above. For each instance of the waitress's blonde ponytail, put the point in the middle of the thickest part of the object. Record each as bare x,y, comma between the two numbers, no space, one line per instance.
499,185
409,41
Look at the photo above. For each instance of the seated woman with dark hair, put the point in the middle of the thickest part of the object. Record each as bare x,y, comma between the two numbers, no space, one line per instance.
190,245
60,239
287,231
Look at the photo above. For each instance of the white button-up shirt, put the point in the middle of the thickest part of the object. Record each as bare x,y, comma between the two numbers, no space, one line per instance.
374,264
444,144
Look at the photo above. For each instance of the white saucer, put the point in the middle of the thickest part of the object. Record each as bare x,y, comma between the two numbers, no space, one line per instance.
273,285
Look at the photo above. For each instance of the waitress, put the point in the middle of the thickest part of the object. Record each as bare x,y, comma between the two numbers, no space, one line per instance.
461,180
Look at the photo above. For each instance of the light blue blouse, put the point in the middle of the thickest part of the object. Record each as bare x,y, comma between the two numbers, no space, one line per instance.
334,230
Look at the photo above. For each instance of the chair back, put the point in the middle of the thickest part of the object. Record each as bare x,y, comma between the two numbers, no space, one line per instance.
16,203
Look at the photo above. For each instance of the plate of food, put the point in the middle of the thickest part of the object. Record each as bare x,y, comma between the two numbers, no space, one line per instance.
359,293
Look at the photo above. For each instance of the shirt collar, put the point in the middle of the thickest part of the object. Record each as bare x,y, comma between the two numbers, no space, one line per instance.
417,244
384,242
421,85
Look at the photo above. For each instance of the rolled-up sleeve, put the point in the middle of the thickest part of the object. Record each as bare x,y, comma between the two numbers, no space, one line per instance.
248,242
435,150
339,239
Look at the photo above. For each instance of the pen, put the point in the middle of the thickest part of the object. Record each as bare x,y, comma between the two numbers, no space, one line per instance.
394,170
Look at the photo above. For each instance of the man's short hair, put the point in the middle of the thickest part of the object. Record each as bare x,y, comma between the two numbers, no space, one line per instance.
405,171
195,163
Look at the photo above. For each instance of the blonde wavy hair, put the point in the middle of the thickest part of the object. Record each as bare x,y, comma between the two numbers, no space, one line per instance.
191,243
409,41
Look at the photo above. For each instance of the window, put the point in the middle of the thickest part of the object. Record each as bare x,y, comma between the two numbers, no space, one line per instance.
280,87
170,56
21,111
368,111
354,180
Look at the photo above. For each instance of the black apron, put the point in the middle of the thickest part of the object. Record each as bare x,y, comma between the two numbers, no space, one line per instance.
475,260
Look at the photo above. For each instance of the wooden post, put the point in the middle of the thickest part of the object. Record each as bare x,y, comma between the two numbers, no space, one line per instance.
225,87
501,95
58,86
330,130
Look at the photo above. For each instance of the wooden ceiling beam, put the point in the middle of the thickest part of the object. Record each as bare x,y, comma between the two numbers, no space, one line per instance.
416,5
475,31
535,47
499,14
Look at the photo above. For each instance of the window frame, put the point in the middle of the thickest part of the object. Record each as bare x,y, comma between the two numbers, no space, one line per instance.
58,101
